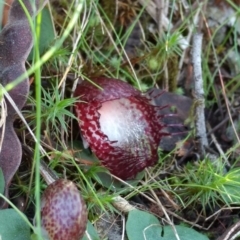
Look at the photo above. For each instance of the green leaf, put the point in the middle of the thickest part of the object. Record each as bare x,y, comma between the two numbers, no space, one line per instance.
144,226
140,224
92,232
12,226
2,182
185,233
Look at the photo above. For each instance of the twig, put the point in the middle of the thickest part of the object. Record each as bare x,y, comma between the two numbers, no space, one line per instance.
189,36
220,210
123,227
199,92
159,12
231,233
48,175
218,146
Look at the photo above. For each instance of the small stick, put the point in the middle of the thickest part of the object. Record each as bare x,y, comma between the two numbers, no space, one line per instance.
199,93
218,146
231,233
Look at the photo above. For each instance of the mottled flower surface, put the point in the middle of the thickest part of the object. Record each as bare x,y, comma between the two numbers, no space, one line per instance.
121,125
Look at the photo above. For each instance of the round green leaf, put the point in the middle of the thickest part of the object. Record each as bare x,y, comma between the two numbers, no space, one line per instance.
144,226
13,226
185,233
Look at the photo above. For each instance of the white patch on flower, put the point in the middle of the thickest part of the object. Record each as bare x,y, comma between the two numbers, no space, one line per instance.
122,121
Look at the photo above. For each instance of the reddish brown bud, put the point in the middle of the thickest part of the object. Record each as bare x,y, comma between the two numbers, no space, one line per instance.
63,211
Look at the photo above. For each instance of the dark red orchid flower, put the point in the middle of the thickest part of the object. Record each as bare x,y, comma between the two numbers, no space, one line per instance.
121,125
